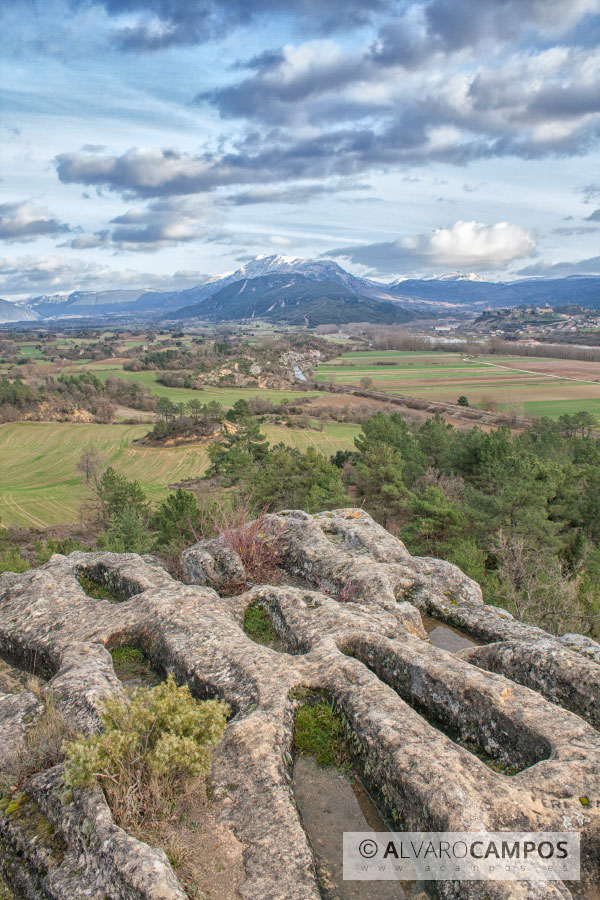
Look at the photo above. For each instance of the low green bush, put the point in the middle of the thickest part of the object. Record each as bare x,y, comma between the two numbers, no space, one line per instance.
12,561
151,742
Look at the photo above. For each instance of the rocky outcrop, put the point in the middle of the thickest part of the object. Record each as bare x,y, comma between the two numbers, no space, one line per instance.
498,737
56,844
214,563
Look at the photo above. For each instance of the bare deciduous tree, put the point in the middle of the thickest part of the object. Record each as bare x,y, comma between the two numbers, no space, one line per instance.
453,486
537,590
90,464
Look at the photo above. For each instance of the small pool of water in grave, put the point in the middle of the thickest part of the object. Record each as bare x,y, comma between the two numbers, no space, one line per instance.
329,804
447,638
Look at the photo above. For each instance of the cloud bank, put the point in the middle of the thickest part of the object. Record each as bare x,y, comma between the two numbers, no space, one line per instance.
589,266
151,25
27,275
254,136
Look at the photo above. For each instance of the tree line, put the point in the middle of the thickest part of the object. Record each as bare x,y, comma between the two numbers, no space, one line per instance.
66,393
518,513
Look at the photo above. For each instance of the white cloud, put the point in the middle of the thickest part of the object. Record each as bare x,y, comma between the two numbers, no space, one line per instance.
25,222
589,266
473,244
163,223
147,171
464,245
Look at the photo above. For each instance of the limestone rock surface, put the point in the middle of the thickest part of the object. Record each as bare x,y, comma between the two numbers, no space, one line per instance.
502,736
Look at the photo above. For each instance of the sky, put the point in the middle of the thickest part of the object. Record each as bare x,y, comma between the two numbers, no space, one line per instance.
154,143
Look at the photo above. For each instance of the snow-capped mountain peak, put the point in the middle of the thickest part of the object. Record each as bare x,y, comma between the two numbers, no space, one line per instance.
456,276
314,269
276,259
261,265
450,276
15,312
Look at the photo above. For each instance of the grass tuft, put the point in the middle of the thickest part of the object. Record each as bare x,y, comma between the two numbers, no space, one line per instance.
319,732
131,664
258,625
97,589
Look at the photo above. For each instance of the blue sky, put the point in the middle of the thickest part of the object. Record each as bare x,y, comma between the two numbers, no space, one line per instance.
154,142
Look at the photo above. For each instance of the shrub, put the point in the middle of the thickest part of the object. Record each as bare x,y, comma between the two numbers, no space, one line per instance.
12,561
342,457
178,519
127,533
117,494
290,479
151,743
44,551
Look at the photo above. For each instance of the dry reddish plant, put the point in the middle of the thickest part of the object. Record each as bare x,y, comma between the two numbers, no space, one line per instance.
258,546
347,593
255,538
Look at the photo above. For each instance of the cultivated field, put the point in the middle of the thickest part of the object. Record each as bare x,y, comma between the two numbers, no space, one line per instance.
542,387
40,486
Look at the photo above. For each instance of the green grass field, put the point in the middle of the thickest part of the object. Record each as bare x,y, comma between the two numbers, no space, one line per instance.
31,351
40,486
225,396
552,409
446,376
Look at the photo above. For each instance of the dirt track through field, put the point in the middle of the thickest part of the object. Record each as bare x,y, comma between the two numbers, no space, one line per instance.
539,386
571,365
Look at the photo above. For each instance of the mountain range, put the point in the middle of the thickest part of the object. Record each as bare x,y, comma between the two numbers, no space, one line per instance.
296,300
317,291
583,290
